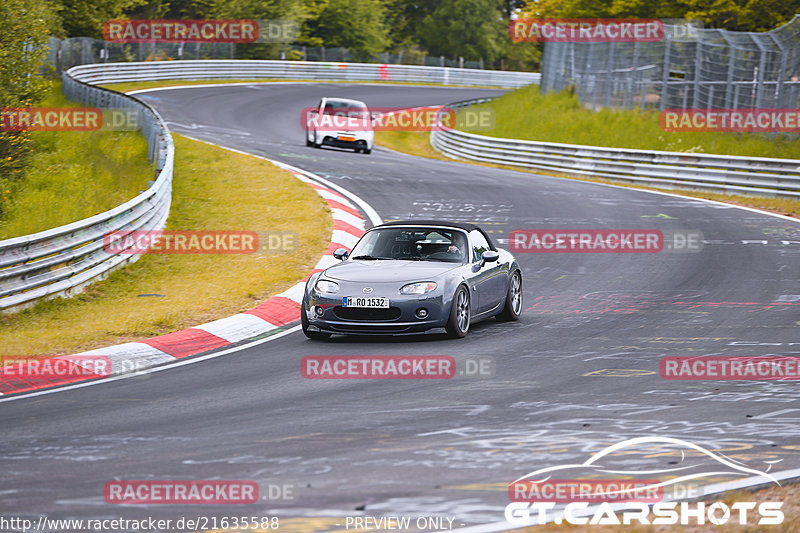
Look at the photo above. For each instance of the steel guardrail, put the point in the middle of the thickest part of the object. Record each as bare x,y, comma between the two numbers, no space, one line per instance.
306,70
667,170
62,260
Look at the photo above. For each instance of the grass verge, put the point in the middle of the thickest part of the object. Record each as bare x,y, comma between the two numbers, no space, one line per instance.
213,189
560,118
73,175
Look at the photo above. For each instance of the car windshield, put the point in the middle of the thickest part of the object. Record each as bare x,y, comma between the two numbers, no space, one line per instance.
412,244
346,109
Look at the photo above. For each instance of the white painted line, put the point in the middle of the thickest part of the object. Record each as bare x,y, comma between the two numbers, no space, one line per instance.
776,413
372,215
175,364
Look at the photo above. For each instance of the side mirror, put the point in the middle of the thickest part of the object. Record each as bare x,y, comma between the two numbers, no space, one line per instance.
489,256
341,254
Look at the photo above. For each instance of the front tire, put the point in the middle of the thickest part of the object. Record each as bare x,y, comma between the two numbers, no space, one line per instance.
367,151
513,307
458,323
314,335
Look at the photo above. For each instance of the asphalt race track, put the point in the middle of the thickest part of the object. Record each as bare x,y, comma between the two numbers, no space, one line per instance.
579,371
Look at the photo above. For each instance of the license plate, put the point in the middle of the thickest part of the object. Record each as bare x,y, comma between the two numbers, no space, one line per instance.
345,138
361,301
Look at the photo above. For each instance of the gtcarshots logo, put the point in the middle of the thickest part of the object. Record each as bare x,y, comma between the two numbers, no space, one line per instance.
541,497
586,30
180,492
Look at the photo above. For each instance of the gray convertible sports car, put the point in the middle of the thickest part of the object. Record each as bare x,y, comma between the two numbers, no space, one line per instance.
413,276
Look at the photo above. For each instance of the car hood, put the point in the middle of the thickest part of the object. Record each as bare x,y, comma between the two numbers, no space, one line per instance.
393,270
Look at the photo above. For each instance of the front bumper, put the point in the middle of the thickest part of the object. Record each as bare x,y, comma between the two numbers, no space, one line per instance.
331,140
326,313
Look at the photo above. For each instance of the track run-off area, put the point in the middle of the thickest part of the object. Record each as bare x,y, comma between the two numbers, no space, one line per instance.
578,371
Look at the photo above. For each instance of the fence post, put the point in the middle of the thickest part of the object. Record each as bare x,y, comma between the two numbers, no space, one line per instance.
730,85
609,74
696,86
762,66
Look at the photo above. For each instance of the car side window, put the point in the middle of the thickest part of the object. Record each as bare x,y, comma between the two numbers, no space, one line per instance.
479,244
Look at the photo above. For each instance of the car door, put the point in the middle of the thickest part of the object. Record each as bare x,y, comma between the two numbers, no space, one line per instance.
486,279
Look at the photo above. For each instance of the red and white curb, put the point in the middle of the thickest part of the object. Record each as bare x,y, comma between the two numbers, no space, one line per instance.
278,311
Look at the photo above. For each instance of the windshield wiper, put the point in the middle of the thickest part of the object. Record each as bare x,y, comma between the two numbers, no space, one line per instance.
369,257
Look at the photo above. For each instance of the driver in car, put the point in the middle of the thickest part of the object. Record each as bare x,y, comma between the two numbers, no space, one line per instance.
457,245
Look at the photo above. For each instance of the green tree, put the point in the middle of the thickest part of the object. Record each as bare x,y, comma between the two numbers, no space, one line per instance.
85,18
291,10
740,15
473,29
25,26
764,15
404,18
359,25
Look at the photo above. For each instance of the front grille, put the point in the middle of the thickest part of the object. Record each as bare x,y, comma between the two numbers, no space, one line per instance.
363,314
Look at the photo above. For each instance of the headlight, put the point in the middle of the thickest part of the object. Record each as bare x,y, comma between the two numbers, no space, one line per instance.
418,288
328,287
